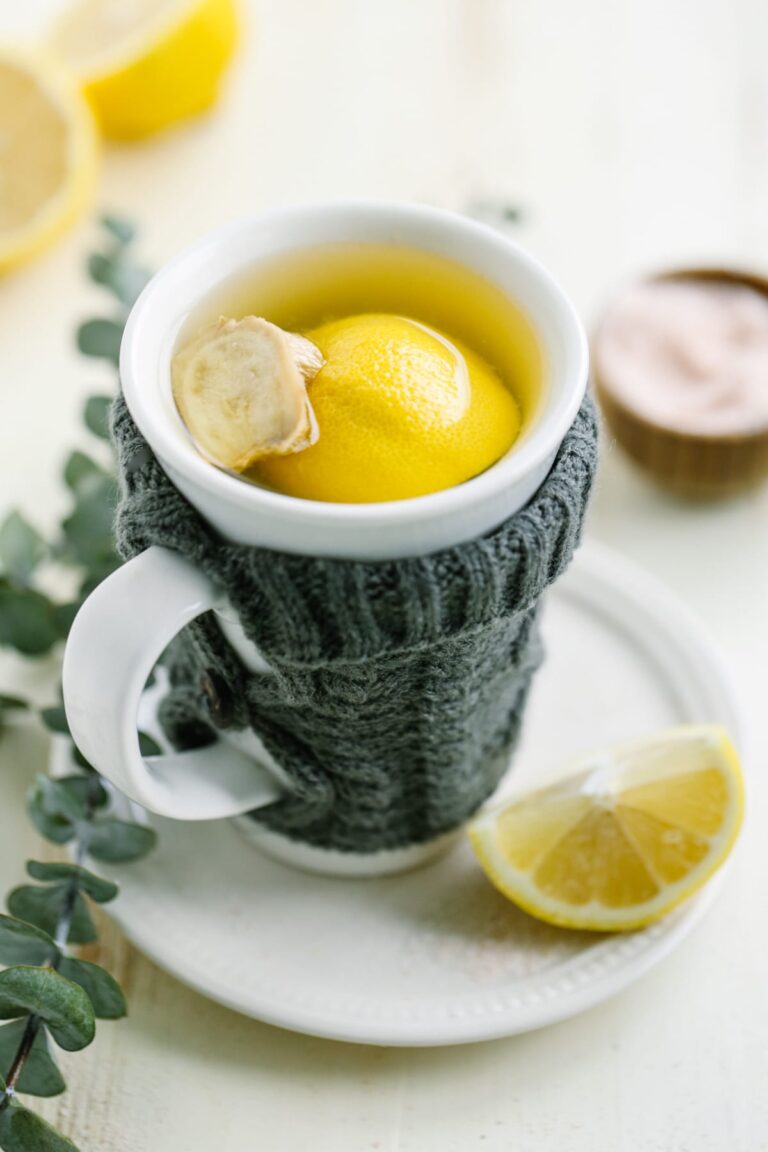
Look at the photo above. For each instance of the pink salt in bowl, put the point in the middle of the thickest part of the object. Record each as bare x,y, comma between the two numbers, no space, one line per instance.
680,364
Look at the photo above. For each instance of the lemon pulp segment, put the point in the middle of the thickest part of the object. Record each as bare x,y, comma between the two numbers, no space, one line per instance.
623,841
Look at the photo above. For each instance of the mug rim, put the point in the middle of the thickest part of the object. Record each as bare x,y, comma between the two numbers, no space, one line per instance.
179,453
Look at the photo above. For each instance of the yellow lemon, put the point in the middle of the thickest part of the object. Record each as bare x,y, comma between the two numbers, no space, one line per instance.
144,64
402,411
49,151
623,840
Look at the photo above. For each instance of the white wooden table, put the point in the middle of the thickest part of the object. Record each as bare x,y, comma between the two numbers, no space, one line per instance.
630,134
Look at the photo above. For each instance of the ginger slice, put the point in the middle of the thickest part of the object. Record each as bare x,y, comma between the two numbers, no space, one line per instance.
241,389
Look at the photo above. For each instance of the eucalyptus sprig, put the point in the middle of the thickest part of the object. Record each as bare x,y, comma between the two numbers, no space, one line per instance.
49,996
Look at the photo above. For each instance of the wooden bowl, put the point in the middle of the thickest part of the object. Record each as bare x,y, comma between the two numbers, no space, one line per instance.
698,465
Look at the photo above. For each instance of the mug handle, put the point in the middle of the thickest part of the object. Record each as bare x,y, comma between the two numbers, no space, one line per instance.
115,641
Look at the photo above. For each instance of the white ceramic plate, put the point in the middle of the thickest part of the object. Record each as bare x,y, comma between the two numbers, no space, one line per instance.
437,956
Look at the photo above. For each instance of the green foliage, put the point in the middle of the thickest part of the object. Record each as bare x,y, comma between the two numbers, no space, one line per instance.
23,943
27,620
43,908
124,280
21,548
58,808
45,811
87,793
119,229
12,703
60,798
96,415
80,471
88,542
30,621
100,890
101,339
119,842
23,1131
103,990
45,991
148,746
64,615
9,705
63,1005
80,760
40,1075
54,828
55,719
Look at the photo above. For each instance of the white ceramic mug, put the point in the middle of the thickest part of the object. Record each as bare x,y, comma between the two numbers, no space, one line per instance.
131,617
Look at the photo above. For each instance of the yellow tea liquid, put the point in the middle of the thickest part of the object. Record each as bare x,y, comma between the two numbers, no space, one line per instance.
302,291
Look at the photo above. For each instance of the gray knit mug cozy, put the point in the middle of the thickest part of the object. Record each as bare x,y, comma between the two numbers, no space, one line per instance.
352,701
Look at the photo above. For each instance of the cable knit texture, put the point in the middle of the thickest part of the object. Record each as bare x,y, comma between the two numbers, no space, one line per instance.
396,688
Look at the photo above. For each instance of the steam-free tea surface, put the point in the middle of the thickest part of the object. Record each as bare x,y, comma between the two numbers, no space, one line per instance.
302,290
428,376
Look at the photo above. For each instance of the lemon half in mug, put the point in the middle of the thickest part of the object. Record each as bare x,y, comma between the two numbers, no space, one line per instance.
362,409
402,411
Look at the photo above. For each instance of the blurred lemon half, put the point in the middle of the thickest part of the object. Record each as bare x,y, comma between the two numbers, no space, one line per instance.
624,839
144,64
49,149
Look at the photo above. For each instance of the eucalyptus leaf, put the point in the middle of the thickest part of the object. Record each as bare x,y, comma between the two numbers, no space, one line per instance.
119,228
104,991
40,1075
80,471
54,809
57,829
96,415
44,908
23,943
88,528
118,841
60,798
12,703
21,547
101,338
27,621
80,760
123,279
64,615
62,1004
97,573
85,791
148,746
100,267
100,890
24,1131
55,719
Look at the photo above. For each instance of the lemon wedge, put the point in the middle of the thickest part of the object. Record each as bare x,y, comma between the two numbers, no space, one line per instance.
49,154
624,839
144,64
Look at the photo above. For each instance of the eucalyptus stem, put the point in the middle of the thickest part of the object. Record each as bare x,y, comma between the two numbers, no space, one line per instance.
45,992
20,1059
34,1023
